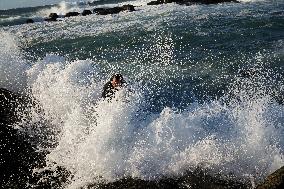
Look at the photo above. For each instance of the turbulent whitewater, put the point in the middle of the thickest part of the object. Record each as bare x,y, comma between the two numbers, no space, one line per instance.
204,89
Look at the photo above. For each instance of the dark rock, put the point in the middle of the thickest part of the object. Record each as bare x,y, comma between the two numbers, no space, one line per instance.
155,2
52,17
49,20
114,10
55,178
158,2
17,156
195,180
30,21
86,12
128,8
100,11
273,181
69,14
9,102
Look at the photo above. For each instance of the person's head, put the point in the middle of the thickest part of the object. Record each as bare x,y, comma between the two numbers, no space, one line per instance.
117,80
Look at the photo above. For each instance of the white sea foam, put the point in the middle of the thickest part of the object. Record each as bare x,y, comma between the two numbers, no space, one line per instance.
12,64
93,25
94,139
252,0
101,140
61,9
12,18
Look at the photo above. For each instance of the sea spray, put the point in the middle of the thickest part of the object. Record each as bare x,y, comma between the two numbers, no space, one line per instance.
12,64
205,92
61,9
97,140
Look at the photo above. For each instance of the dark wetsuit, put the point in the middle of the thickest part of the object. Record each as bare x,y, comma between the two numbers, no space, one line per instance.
109,90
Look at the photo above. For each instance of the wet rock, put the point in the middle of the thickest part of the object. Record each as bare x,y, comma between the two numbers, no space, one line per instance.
273,181
197,179
128,8
163,2
114,10
30,21
52,17
55,178
156,2
9,102
86,12
17,156
69,14
100,11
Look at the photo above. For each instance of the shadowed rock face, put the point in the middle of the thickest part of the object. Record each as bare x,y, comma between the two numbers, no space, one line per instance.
30,21
17,156
114,10
128,8
69,14
86,12
105,11
9,102
198,179
156,2
273,181
100,11
52,17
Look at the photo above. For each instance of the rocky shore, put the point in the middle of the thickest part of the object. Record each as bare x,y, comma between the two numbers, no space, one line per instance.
274,180
130,8
17,156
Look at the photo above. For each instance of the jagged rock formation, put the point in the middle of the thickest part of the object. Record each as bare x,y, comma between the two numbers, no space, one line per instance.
17,156
273,181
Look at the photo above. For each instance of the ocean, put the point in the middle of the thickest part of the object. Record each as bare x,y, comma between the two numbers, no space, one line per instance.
205,89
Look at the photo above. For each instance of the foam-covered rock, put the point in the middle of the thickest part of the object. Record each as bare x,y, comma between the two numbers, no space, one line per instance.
273,181
197,179
128,8
17,156
114,10
86,12
30,21
52,17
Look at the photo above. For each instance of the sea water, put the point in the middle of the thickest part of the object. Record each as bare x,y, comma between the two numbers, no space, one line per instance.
187,103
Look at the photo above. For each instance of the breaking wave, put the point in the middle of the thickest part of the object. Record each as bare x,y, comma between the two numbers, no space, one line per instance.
239,133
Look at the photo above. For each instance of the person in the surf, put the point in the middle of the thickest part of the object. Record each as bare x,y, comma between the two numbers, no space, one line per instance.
112,86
